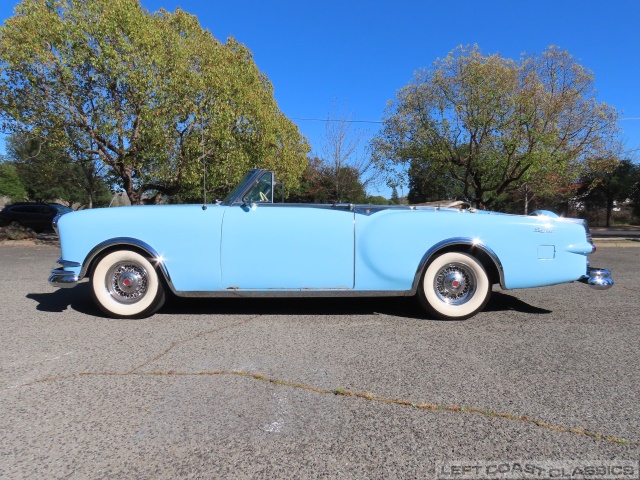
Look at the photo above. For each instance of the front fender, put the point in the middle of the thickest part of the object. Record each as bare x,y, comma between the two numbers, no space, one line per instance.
115,243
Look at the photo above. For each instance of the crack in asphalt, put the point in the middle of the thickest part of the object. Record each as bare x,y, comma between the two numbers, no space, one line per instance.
337,392
187,340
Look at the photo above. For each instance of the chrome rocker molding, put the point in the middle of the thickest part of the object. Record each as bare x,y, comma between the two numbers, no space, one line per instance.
292,293
598,278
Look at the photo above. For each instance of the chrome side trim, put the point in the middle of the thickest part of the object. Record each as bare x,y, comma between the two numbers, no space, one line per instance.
293,293
68,263
466,242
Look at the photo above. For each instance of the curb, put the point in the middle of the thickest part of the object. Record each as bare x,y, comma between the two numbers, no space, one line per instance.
28,243
616,242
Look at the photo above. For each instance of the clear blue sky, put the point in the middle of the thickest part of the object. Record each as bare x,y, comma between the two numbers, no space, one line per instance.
361,52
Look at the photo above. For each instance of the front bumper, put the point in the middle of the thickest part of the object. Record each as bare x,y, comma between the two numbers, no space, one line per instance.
60,277
598,278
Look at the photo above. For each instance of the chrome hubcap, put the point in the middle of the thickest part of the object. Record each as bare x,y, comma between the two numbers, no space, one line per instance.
127,282
455,284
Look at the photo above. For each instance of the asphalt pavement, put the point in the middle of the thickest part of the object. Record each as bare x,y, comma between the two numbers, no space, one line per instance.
349,388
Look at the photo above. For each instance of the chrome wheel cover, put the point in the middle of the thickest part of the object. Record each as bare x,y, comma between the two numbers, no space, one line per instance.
127,282
455,284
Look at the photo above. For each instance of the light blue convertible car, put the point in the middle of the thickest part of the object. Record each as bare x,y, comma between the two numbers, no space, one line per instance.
249,245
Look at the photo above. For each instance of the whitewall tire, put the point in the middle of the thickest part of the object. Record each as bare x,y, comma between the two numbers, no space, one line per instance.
454,286
125,284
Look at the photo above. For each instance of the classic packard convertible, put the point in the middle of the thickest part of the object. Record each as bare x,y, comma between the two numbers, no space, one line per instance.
249,245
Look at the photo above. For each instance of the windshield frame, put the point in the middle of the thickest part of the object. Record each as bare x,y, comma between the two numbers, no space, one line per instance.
247,182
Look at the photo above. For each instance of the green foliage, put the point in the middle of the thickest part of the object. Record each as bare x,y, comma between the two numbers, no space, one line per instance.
323,184
427,184
151,96
395,198
10,184
484,125
634,195
377,200
607,181
50,174
42,170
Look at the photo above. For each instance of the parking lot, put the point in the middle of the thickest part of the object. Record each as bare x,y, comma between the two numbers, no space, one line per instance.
307,388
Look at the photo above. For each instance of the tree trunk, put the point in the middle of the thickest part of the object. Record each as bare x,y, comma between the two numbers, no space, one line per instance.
609,210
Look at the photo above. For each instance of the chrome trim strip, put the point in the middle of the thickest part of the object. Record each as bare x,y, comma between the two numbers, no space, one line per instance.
324,206
292,293
355,249
467,242
68,263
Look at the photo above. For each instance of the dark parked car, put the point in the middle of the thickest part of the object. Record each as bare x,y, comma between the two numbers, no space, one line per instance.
33,215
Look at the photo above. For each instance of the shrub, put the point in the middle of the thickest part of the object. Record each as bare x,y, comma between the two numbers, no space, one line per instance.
16,232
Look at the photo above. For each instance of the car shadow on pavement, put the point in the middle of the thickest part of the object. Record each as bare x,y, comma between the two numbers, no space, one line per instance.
395,306
79,299
501,302
407,307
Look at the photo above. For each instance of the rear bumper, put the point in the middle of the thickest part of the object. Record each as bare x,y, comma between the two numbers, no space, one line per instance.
598,278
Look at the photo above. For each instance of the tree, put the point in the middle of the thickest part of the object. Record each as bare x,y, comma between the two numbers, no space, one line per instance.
42,170
49,174
343,157
395,198
427,184
154,97
10,183
318,185
634,194
608,181
377,200
492,124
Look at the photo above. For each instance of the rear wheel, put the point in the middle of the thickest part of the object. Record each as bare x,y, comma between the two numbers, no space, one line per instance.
125,284
454,286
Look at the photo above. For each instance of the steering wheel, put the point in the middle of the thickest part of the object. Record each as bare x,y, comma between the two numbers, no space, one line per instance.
263,197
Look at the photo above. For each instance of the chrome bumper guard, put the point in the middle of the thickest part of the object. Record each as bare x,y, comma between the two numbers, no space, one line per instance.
598,278
63,278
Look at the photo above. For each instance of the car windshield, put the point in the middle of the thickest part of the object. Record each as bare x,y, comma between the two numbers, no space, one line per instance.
240,185
261,191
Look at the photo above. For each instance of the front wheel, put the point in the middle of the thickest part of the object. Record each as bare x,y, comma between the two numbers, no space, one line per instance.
454,286
124,284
